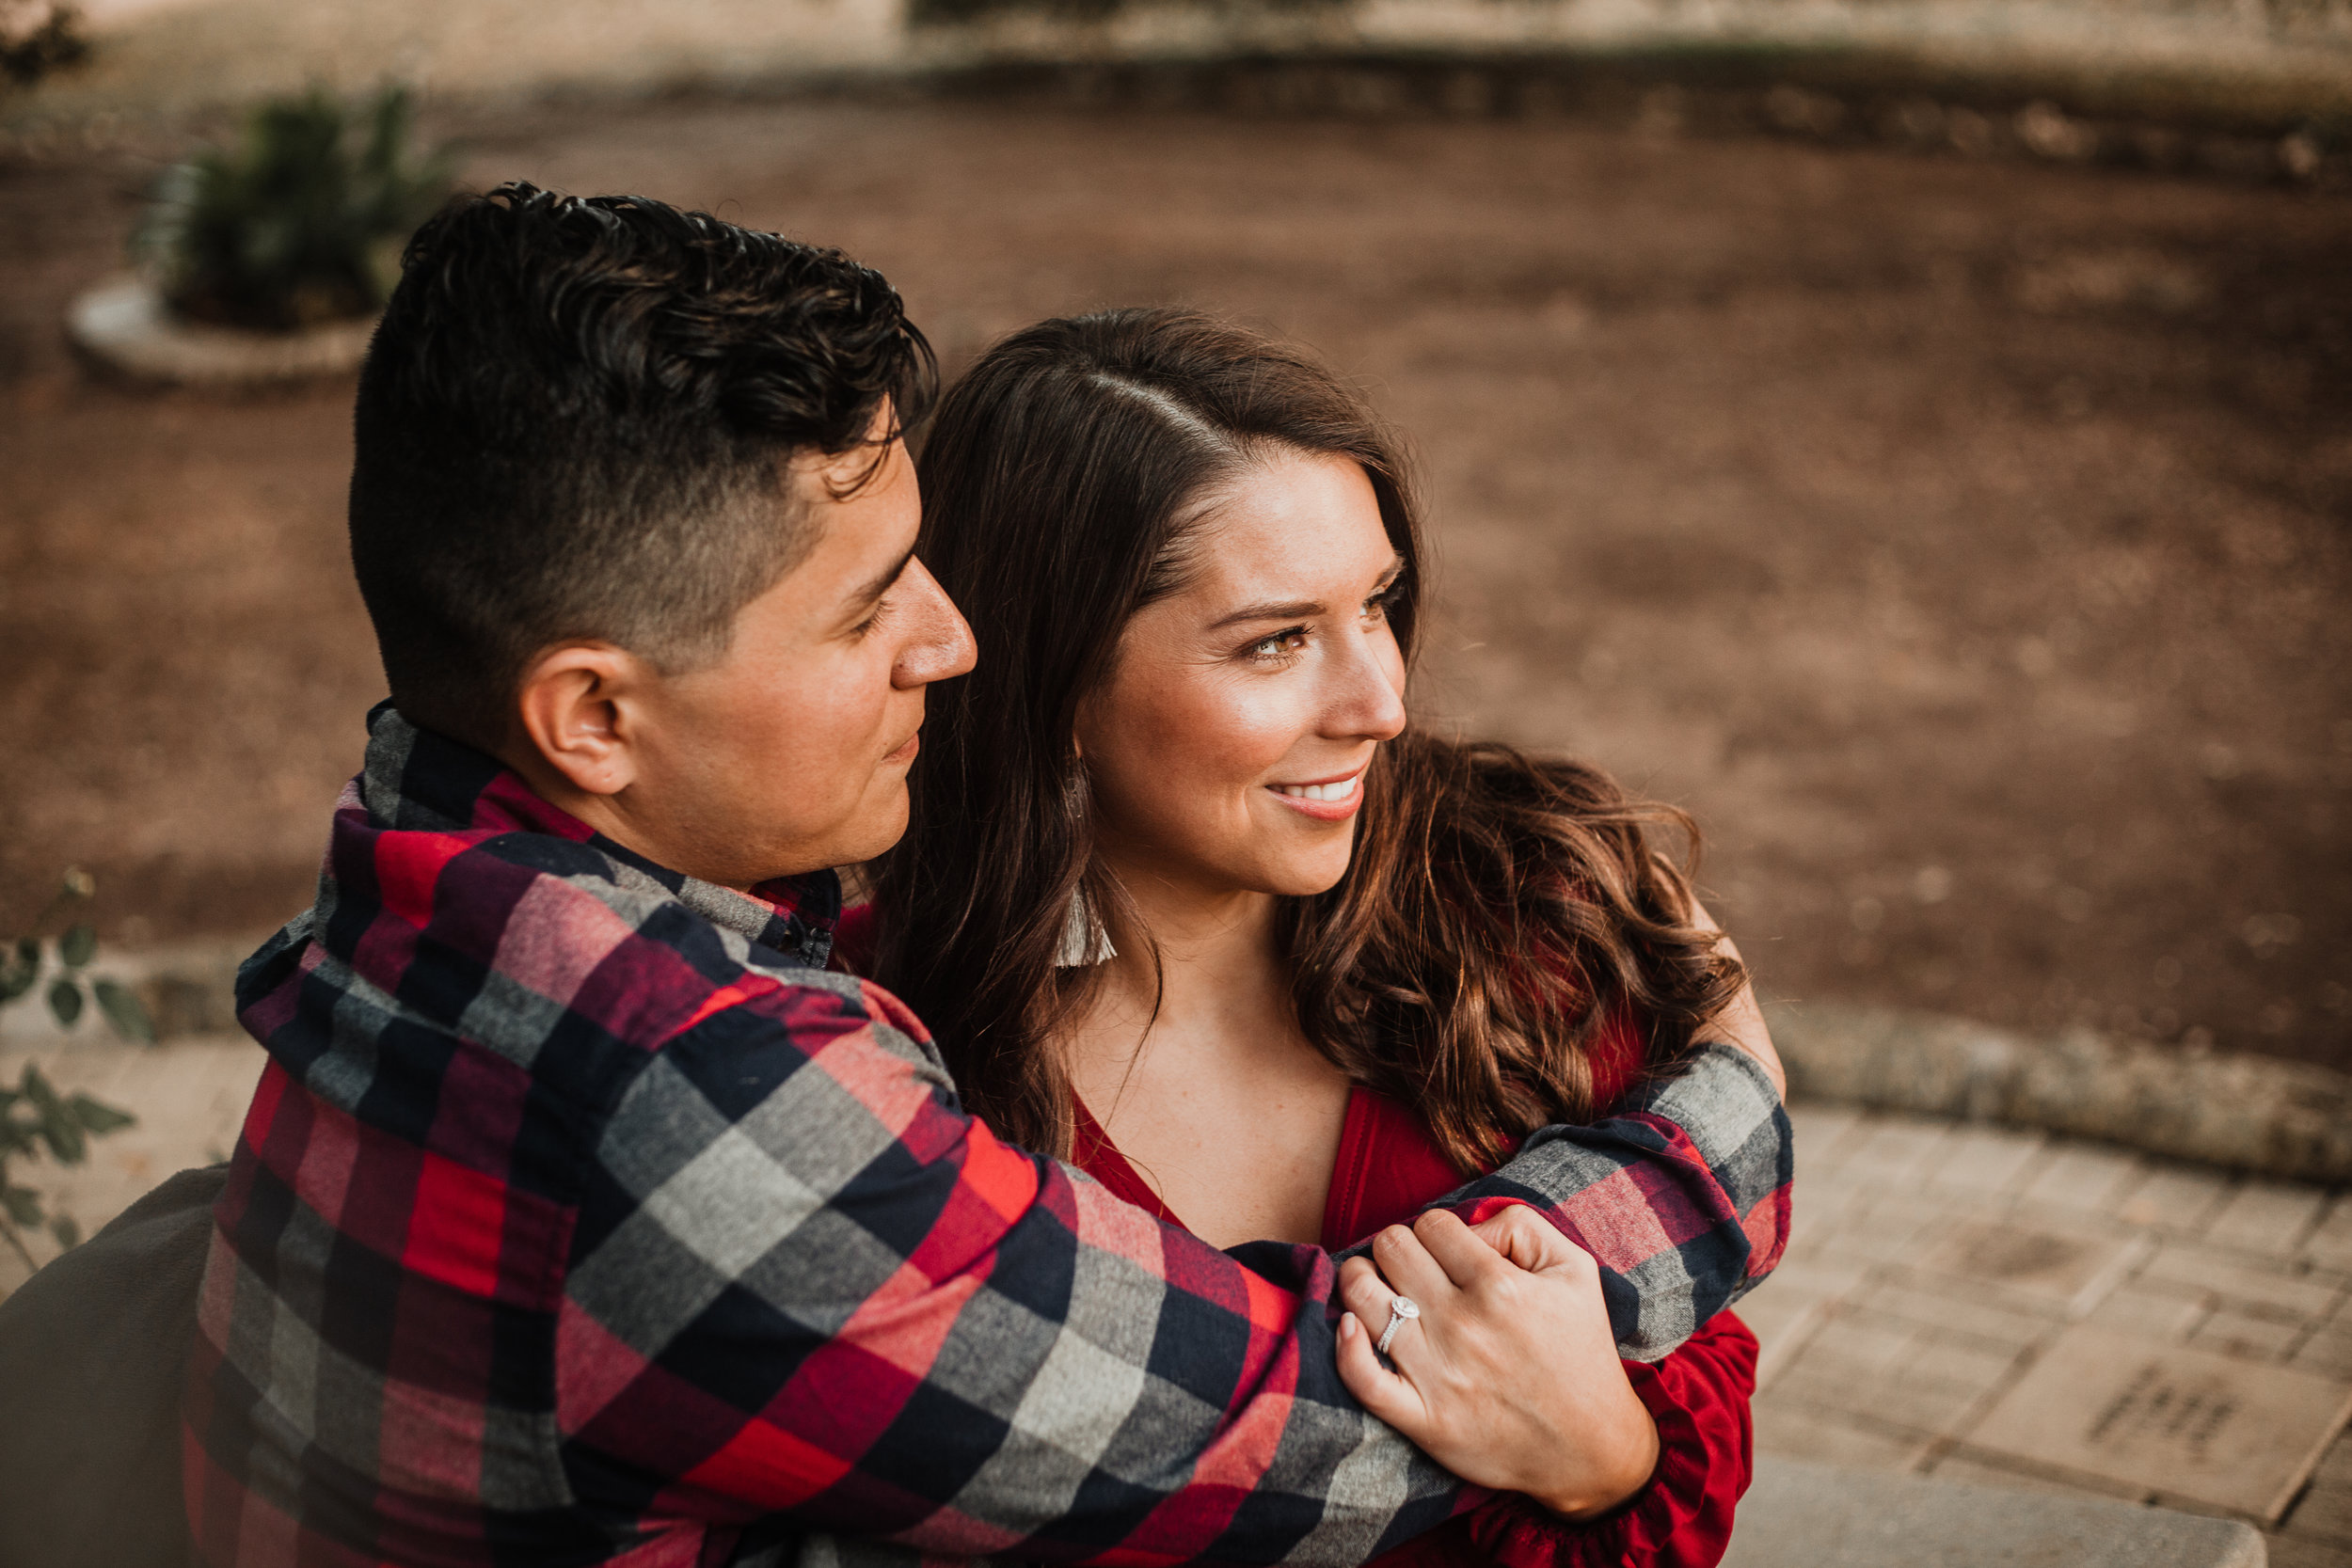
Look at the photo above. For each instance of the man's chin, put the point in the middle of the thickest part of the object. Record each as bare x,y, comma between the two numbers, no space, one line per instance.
874,831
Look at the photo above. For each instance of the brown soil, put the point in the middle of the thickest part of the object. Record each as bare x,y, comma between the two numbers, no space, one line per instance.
1967,543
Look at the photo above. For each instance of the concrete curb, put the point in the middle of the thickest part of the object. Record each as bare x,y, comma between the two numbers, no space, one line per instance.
2255,1113
122,324
1801,1515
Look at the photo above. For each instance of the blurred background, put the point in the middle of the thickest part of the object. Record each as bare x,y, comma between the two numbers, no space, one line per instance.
1915,436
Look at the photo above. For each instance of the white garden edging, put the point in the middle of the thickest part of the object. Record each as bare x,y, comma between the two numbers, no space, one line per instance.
124,325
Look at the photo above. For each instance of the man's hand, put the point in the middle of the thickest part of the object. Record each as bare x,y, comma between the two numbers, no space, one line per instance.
1509,1377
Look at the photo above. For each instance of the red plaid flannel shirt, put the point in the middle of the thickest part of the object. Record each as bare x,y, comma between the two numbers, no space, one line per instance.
580,1218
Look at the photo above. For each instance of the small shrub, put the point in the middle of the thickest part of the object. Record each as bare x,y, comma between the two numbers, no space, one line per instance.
302,221
33,1115
37,39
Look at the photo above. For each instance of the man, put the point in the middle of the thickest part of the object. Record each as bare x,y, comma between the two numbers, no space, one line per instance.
581,1215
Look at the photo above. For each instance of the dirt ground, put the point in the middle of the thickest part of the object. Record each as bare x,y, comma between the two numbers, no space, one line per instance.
1967,543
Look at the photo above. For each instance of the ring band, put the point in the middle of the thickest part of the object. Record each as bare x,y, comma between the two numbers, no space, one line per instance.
1402,1310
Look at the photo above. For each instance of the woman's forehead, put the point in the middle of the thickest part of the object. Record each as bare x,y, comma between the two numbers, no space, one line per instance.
1291,525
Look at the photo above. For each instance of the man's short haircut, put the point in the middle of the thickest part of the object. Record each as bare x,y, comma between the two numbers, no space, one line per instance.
574,423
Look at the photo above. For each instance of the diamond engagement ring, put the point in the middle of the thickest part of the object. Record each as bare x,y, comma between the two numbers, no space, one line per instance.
1401,1311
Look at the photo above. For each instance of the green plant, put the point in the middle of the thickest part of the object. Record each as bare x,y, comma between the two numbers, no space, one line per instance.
37,39
34,1115
302,221
21,967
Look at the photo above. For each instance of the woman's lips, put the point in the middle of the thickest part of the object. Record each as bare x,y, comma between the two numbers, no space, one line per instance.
1327,799
906,752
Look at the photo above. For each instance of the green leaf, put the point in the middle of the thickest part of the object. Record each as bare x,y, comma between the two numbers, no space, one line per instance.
23,1204
16,975
59,1128
79,945
125,1011
69,1234
65,1000
97,1116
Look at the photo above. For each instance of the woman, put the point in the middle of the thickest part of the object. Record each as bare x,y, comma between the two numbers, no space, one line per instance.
1191,902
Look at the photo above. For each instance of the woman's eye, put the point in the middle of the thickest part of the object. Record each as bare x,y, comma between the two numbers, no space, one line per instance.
1281,645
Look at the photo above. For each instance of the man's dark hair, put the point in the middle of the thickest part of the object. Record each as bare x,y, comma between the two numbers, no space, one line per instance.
576,422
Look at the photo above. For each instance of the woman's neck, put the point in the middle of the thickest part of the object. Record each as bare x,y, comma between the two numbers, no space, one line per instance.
1199,951
1191,1055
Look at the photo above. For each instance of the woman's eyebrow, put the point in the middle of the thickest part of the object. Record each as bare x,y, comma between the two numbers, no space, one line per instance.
1296,609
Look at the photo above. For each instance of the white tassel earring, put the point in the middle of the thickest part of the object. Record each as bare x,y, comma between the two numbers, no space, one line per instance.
1083,941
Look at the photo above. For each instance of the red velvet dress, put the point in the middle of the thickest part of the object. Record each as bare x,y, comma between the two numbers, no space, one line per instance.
1388,1170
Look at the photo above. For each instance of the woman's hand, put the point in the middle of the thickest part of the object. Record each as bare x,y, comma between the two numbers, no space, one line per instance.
1509,1377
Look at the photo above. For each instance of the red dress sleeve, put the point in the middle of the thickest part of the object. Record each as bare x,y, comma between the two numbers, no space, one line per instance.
855,936
1389,1169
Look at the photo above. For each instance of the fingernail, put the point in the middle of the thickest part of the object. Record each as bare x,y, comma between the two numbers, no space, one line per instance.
1347,1327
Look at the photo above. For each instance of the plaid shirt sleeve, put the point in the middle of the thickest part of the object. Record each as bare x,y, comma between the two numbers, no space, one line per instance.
807,1285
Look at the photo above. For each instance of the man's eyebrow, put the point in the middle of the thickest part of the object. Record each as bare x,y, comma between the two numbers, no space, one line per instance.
880,585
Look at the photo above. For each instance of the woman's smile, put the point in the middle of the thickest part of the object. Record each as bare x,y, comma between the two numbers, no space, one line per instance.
1325,799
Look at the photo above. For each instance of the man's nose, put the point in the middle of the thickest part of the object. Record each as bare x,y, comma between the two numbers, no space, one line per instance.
939,644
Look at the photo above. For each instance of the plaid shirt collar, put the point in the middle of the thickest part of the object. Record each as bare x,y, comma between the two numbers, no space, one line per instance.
418,779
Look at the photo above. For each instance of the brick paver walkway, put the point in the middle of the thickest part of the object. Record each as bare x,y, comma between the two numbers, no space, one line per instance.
1956,1300
1946,1286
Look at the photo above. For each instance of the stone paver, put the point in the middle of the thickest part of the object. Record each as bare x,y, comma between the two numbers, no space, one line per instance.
1982,1161
2308,1295
2176,1198
2268,1218
2079,1176
1942,1309
1952,1292
2330,1245
2193,1424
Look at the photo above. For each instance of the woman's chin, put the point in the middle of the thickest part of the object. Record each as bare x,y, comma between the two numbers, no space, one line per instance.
1305,877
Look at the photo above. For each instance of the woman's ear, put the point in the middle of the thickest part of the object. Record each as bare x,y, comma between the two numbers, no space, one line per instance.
577,710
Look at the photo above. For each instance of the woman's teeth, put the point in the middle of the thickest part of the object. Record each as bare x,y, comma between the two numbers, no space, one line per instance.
1340,791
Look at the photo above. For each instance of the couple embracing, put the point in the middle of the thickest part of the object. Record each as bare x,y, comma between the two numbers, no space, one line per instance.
612,1196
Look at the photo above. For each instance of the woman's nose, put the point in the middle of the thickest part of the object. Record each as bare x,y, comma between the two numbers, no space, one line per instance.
1370,703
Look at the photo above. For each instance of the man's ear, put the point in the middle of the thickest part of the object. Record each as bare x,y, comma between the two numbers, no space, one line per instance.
578,709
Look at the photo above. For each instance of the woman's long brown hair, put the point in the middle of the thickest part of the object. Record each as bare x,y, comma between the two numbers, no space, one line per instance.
1499,907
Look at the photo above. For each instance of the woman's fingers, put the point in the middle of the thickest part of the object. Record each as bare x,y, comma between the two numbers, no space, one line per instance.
1363,1293
1468,1259
1406,1264
1531,1242
1379,1391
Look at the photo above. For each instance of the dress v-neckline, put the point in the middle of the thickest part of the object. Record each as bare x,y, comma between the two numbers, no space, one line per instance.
1093,1151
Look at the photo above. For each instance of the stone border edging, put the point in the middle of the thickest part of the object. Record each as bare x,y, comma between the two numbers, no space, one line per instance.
2256,1114
124,324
